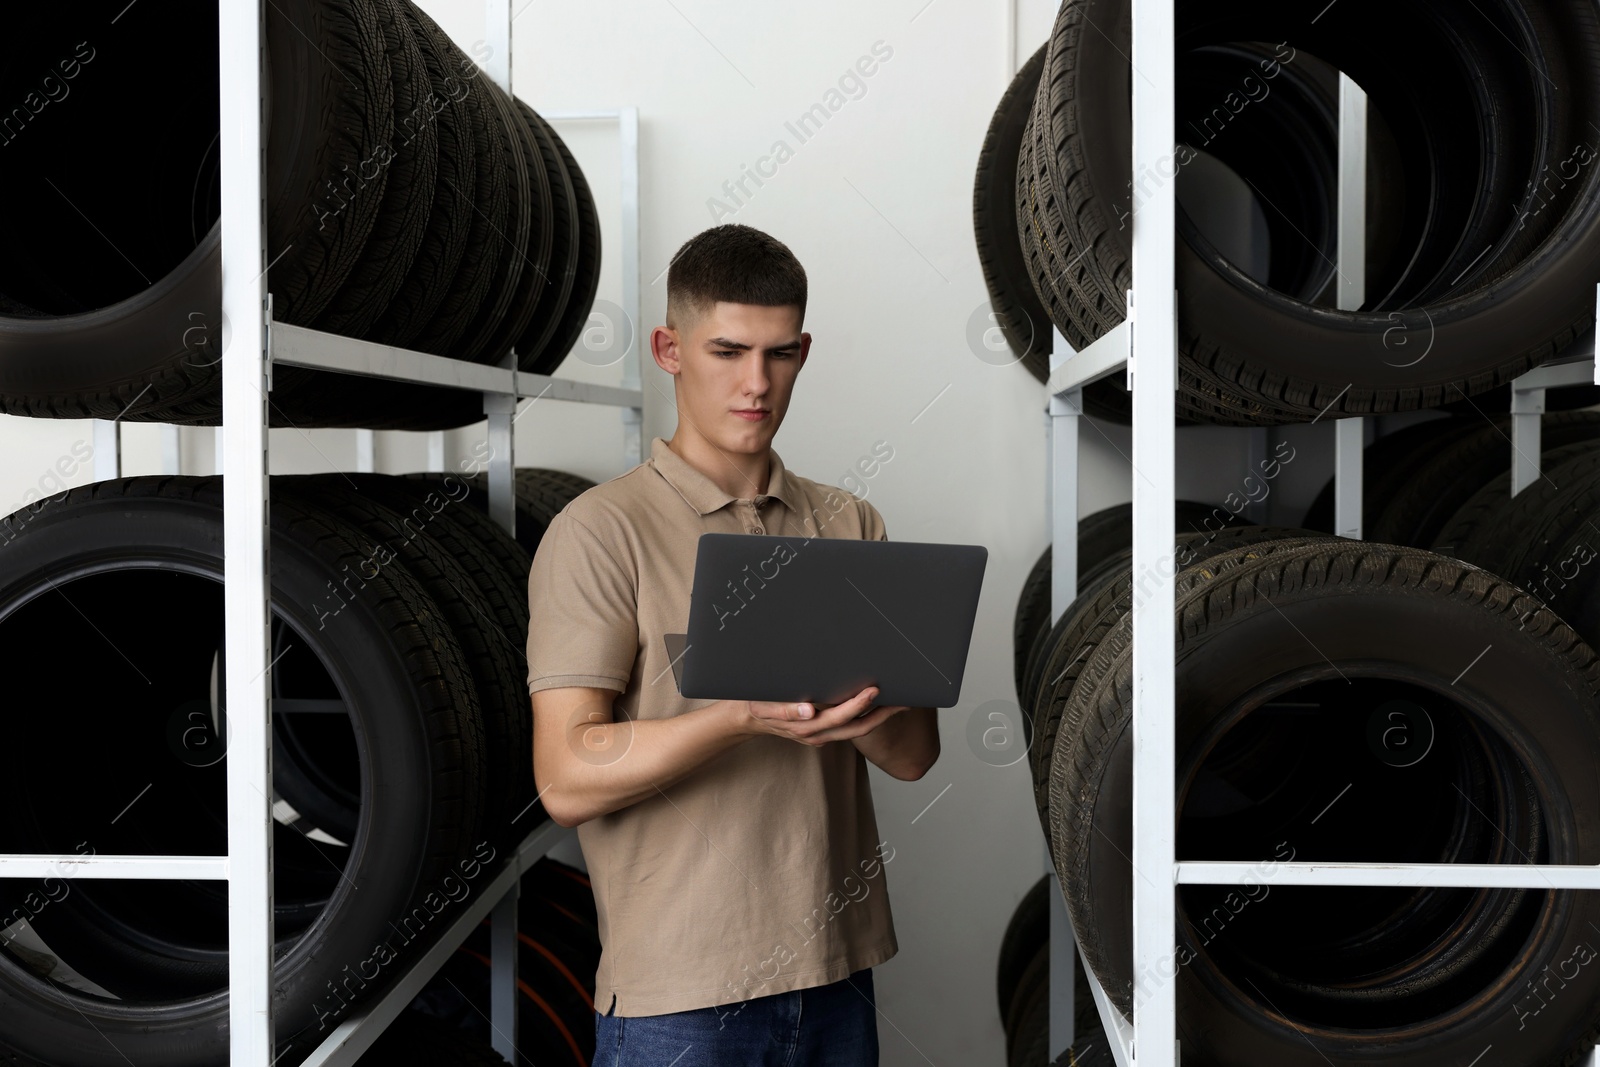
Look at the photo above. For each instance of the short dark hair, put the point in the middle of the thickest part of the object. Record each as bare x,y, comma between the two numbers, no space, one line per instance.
734,263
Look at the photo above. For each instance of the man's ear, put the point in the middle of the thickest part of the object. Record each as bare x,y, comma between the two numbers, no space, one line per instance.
664,349
805,346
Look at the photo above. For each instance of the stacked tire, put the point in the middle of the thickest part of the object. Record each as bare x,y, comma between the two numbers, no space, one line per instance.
1544,539
1022,981
402,756
416,1040
1417,478
1482,245
1343,701
558,954
410,201
1105,542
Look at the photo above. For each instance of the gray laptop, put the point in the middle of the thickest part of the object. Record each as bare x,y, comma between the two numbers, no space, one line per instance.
819,619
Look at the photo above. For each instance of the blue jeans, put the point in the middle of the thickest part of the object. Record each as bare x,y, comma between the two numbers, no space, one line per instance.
832,1025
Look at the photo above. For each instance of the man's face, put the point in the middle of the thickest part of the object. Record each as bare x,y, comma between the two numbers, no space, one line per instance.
735,370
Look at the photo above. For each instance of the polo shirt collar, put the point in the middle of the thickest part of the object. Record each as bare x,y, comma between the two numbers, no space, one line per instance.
704,495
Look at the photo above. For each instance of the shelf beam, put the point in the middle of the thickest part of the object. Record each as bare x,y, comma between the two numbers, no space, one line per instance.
1450,875
68,866
1103,358
296,346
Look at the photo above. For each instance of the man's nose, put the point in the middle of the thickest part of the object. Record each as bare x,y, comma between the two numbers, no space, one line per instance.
756,377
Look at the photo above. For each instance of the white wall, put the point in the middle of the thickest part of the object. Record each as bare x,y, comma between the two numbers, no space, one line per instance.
877,206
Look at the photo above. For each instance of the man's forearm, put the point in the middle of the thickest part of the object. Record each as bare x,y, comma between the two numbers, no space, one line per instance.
906,745
621,763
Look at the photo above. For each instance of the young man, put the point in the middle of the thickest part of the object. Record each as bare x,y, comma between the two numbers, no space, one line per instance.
732,845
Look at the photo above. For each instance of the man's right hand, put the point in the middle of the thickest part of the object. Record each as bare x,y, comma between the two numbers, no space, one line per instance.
816,725
587,763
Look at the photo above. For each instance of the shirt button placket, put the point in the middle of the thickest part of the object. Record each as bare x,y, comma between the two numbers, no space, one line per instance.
754,520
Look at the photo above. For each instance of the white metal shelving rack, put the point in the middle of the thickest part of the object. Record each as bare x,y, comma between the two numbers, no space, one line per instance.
255,345
1147,343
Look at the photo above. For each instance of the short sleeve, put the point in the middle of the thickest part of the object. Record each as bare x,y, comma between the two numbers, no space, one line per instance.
583,627
872,528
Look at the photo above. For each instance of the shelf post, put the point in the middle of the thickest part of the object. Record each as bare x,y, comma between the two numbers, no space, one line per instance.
1348,452
1527,417
502,466
497,35
502,478
503,972
633,361
107,450
1061,515
1063,963
1350,434
1155,357
246,566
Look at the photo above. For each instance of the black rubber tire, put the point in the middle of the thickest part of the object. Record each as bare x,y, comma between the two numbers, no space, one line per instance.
1252,356
586,280
567,888
526,179
1017,310
409,163
1043,663
413,170
1497,401
444,543
1380,606
1495,530
415,1039
1027,1019
451,113
1285,147
135,359
555,1009
1443,484
512,560
1093,1051
489,194
410,700
1387,466
97,323
1100,536
1543,539
469,296
533,259
1029,1011
541,494
331,93
560,952
557,908
518,255
1575,596
14,1059
1091,618
1287,150
1028,928
408,199
554,285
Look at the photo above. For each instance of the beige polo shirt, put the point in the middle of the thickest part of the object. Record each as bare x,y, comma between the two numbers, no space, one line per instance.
761,871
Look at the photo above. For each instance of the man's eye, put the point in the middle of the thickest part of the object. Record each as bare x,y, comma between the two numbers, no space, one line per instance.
725,353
